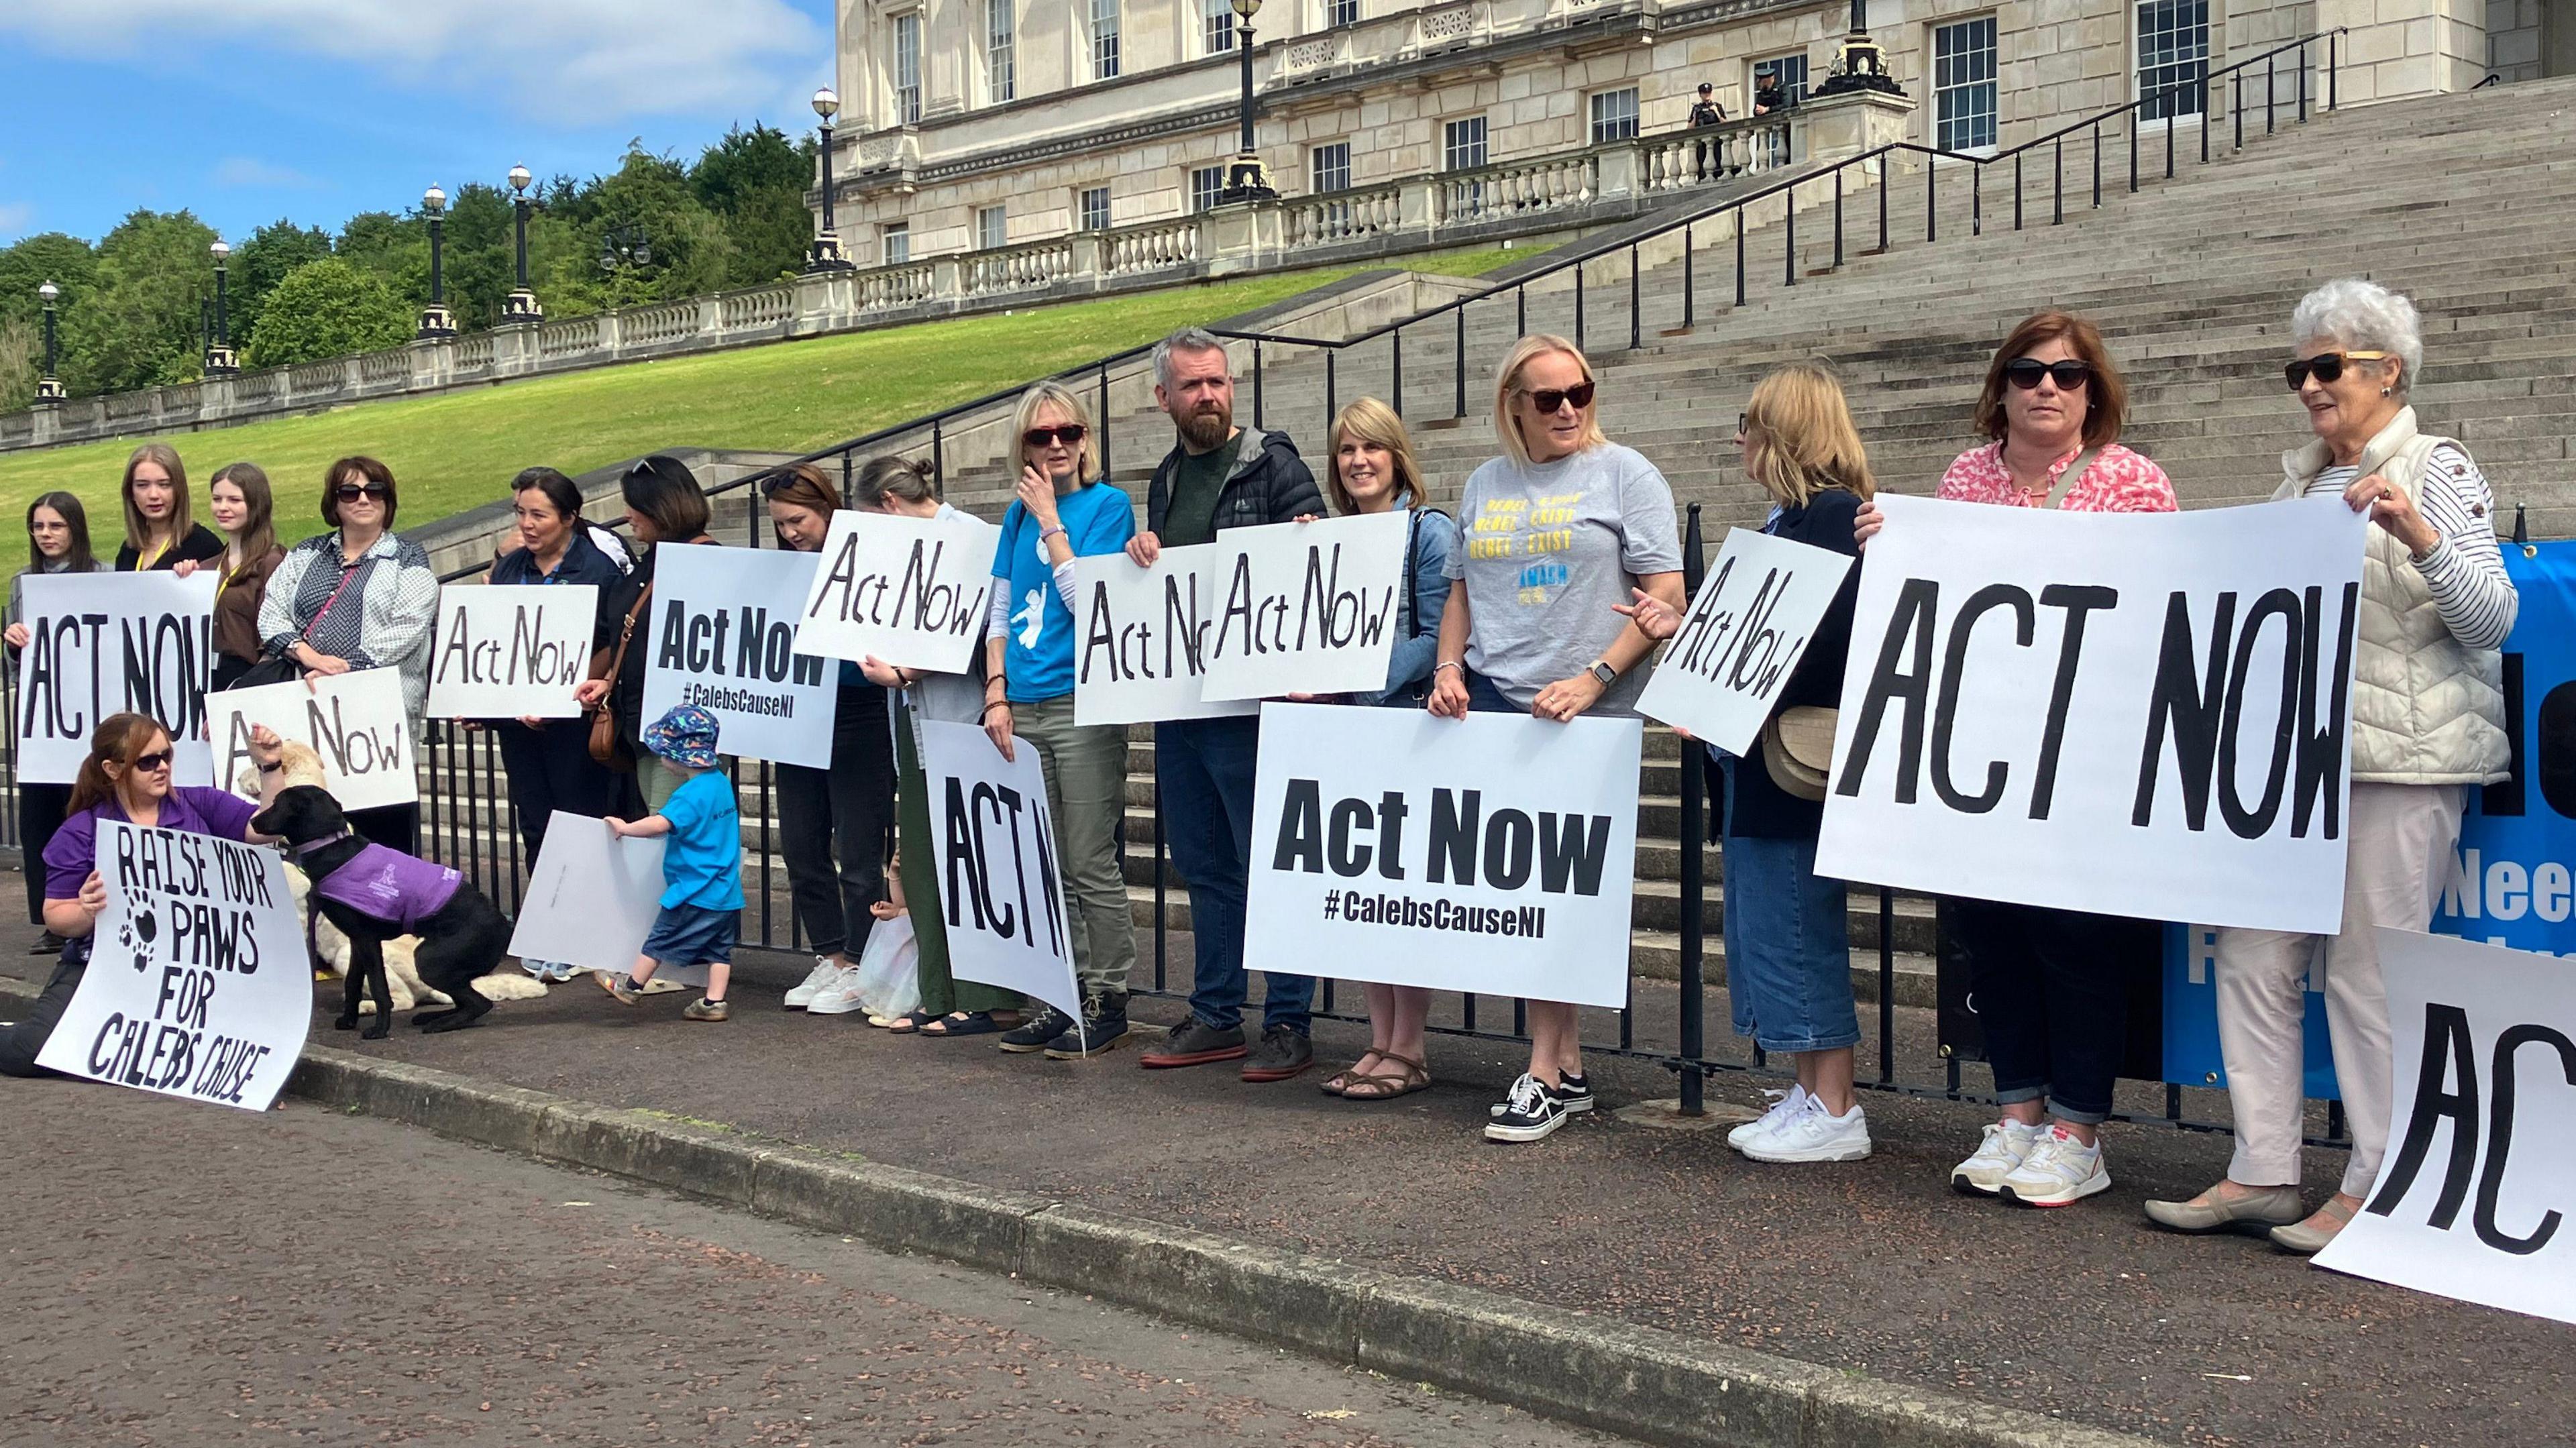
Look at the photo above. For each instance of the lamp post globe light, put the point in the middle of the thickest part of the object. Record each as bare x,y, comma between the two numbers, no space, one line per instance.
49,393
825,252
219,351
522,306
435,320
1244,180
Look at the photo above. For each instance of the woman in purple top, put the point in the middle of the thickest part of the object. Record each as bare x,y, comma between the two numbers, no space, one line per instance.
126,778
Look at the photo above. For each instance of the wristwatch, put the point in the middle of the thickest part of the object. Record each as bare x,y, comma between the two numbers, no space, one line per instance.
1607,675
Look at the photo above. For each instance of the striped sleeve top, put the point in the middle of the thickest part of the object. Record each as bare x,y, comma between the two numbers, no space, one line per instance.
2465,569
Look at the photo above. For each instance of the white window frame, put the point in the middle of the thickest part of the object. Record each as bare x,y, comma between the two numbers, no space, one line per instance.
1331,162
1001,48
1945,82
1216,27
906,68
1608,122
1104,39
1084,217
2138,66
993,226
1457,151
1207,183
894,243
1342,12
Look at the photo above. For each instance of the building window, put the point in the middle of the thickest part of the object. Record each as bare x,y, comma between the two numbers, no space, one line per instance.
1104,39
997,51
1207,183
1095,209
896,243
1329,168
2173,50
992,227
1614,116
907,68
1462,144
1216,23
1963,84
1345,12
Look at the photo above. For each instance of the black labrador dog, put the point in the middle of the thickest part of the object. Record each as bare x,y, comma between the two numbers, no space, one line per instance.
375,894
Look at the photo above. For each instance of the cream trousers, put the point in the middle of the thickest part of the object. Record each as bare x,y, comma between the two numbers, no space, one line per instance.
2401,837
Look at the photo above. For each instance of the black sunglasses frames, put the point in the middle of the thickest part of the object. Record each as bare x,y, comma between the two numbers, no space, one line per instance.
1549,399
2025,372
158,759
1069,435
2327,367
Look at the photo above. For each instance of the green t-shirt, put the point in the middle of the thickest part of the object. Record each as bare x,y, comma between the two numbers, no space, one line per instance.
1191,516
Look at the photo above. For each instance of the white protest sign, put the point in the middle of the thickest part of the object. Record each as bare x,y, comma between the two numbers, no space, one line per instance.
113,643
724,638
515,651
591,899
909,591
1307,608
2127,713
1492,854
354,721
1141,654
198,985
2481,1165
1743,637
1000,882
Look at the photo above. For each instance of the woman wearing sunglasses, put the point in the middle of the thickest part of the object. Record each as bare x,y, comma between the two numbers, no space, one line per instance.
2428,721
1063,509
2056,1021
1562,529
126,779
358,597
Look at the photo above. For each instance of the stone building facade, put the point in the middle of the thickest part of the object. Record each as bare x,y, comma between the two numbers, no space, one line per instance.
975,124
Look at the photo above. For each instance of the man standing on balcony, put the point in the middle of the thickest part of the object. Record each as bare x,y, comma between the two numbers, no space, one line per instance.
1706,111
1219,476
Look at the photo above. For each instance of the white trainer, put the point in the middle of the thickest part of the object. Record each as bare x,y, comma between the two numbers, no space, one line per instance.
2005,1144
825,971
838,998
1784,1104
2060,1171
1813,1134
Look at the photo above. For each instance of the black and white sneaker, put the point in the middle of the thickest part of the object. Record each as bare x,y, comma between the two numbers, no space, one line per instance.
1574,1093
1530,1112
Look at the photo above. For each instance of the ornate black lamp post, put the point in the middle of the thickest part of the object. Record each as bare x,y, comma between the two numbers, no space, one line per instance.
1860,65
49,393
1244,180
825,253
522,305
219,352
435,320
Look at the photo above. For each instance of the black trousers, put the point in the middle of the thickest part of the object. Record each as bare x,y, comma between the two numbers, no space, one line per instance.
41,808
551,769
22,1040
840,814
2052,991
394,826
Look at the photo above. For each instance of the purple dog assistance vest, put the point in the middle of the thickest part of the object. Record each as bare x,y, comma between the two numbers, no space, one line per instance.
391,886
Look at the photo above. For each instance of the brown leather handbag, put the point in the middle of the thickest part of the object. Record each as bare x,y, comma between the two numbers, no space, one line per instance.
606,745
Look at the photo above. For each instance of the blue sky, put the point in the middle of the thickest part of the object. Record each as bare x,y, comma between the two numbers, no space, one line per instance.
245,111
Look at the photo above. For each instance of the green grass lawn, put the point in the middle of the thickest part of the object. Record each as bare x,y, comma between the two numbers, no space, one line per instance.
458,450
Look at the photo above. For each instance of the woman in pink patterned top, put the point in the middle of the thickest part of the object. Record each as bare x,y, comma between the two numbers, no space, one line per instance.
2052,999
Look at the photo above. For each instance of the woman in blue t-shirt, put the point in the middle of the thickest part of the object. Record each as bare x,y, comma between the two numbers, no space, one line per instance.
1064,510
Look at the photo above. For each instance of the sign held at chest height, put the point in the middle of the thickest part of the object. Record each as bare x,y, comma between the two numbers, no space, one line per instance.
198,984
2163,700
1306,608
1141,653
1743,637
724,638
1001,887
354,721
101,644
511,652
909,591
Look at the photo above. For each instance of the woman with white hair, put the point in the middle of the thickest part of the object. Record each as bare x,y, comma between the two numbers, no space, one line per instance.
2427,722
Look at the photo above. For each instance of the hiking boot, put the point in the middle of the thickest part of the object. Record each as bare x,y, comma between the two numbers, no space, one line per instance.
1284,1052
1037,1032
1104,1029
1195,1043
703,1009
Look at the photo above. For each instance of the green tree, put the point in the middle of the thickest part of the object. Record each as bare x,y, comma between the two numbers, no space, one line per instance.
329,308
30,262
141,321
22,361
755,181
260,263
644,237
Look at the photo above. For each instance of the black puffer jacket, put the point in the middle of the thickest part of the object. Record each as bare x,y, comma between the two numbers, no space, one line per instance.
1268,483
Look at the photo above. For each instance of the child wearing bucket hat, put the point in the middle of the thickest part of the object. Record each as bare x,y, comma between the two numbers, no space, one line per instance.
701,915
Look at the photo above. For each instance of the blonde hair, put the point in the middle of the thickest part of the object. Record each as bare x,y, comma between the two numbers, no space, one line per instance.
1371,421
1803,438
1507,381
1040,395
138,529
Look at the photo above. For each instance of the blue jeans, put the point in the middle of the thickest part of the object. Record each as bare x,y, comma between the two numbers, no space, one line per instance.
1788,944
1203,769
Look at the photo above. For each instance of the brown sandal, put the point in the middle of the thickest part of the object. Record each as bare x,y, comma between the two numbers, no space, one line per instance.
1388,1085
1340,1081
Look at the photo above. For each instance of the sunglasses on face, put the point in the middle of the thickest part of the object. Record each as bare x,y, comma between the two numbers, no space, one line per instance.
152,763
352,492
2025,372
1549,399
2326,367
1069,435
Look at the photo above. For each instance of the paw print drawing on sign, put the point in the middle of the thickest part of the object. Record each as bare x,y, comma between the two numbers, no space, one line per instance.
137,935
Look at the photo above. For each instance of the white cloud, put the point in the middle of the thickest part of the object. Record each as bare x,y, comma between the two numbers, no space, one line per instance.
250,171
571,61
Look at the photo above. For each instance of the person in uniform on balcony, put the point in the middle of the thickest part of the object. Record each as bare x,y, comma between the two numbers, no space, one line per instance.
1767,95
158,531
1706,111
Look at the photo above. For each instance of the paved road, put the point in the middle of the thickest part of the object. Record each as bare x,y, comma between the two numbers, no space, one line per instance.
182,1276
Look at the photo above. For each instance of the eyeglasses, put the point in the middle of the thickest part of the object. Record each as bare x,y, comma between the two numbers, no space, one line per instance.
1069,435
1549,399
2327,367
2025,372
152,763
352,492
1741,419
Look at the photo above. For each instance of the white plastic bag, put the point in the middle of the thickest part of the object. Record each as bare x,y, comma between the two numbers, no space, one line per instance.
890,970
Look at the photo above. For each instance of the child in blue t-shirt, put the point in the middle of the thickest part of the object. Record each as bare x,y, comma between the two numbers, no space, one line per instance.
701,916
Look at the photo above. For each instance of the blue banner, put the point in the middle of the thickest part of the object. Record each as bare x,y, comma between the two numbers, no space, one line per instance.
2511,880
